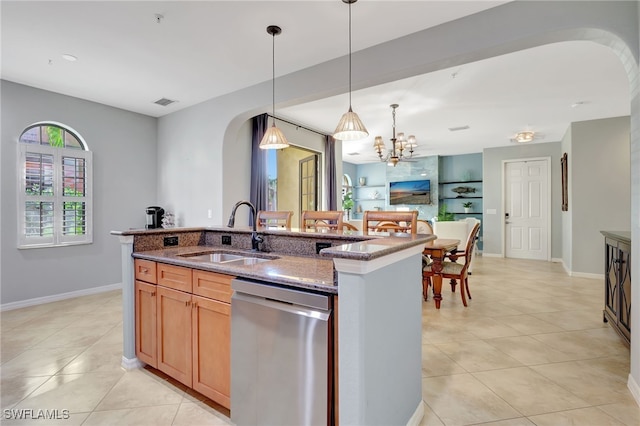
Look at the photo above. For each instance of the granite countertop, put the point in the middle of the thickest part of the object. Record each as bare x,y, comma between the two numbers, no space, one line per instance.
314,273
304,272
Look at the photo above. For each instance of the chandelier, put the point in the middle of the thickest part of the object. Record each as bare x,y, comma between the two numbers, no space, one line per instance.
399,145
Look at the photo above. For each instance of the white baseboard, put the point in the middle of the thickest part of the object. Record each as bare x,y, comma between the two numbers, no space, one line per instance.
484,254
634,388
131,364
557,260
57,297
587,275
416,419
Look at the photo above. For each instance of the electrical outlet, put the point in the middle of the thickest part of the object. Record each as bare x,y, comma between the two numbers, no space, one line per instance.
170,241
320,246
226,240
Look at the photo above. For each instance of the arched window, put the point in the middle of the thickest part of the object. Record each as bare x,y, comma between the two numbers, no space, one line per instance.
54,194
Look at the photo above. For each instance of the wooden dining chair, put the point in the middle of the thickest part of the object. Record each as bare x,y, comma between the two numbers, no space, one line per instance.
424,227
280,219
453,270
346,226
390,221
327,219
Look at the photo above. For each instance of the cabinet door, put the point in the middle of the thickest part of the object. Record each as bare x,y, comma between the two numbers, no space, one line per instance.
212,349
611,279
146,337
624,289
174,334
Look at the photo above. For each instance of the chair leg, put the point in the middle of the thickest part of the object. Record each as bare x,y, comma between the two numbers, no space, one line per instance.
466,285
425,287
464,300
453,285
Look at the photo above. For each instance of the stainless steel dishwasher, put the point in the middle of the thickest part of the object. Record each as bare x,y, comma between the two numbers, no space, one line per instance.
279,355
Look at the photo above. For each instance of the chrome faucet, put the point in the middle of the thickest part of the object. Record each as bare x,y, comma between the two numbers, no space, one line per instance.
255,239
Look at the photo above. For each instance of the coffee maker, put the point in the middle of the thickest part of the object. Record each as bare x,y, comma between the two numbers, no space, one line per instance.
154,217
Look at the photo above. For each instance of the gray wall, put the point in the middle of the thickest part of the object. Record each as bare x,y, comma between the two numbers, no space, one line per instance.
493,233
124,173
634,83
194,161
599,191
600,188
567,245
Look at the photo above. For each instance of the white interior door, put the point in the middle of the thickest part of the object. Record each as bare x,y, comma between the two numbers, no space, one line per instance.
527,231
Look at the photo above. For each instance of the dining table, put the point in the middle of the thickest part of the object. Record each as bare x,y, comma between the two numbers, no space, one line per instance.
437,250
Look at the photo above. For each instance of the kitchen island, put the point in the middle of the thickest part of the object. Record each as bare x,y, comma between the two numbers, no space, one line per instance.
376,278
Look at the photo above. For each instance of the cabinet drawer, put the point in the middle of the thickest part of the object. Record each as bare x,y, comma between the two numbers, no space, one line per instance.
176,277
212,285
145,270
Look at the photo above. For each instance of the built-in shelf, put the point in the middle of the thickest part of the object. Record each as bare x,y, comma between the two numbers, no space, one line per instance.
459,198
370,186
370,199
460,181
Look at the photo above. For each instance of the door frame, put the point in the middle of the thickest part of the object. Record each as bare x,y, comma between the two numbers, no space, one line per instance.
503,227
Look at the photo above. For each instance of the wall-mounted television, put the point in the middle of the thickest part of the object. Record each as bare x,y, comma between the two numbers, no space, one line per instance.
410,192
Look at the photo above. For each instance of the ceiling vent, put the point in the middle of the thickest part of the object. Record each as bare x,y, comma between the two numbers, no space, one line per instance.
455,129
164,101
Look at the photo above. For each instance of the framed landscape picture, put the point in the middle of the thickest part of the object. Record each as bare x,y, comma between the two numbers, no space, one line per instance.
565,194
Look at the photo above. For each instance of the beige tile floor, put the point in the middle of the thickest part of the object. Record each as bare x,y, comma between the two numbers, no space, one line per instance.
530,349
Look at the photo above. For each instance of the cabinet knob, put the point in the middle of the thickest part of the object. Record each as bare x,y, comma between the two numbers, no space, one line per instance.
153,293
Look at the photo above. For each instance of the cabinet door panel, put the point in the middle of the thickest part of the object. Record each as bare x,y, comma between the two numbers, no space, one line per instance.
212,349
625,289
174,334
212,285
145,270
611,279
176,277
146,329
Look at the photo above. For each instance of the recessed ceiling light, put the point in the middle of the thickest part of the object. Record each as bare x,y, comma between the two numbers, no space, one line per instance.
578,104
455,129
69,57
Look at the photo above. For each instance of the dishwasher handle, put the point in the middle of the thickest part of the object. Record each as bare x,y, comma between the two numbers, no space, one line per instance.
281,306
287,295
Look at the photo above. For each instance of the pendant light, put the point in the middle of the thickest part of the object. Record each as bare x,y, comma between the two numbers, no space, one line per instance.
273,137
350,127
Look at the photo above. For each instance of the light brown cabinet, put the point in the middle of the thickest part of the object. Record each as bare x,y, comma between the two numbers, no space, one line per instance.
211,337
183,327
174,334
146,329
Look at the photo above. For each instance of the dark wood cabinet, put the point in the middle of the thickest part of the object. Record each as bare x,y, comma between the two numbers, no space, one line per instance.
617,288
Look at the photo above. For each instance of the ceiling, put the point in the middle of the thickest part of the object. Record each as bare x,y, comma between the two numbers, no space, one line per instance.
131,54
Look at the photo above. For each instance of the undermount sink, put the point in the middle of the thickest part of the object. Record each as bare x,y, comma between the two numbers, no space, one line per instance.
224,257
